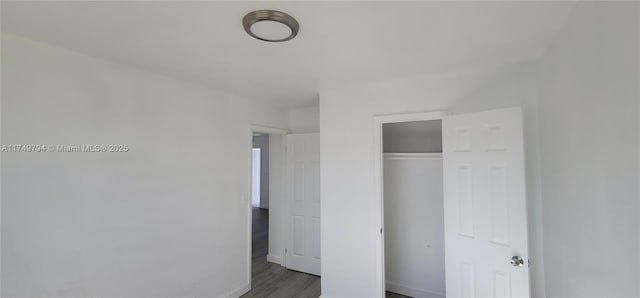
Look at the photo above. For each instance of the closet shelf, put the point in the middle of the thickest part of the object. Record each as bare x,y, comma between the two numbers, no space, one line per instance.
399,155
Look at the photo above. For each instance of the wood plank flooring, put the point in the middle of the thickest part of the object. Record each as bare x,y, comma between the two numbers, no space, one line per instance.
269,280
395,295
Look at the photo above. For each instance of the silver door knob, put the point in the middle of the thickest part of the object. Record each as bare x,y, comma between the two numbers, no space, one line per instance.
517,261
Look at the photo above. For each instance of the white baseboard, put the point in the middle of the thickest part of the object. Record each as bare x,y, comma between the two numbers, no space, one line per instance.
413,292
243,289
274,259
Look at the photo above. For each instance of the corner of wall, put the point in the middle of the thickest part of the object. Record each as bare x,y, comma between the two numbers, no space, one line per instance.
274,259
268,115
304,120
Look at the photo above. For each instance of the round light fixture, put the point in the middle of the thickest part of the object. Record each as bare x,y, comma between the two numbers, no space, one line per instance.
270,25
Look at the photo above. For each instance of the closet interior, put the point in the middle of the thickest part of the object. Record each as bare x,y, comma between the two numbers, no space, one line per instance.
413,208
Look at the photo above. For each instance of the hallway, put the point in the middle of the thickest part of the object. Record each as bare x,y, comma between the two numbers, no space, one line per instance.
273,280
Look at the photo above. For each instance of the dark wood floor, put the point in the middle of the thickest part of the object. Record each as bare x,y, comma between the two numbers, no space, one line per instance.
272,280
395,295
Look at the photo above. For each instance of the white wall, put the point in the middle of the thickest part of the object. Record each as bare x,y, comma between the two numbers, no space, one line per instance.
304,120
264,114
255,177
262,142
414,227
277,198
166,219
349,229
589,145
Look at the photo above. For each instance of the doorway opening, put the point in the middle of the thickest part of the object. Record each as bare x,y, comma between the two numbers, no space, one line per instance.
264,200
408,150
269,221
483,205
413,209
260,196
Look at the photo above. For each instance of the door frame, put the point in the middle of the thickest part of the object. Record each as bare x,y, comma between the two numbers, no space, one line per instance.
378,189
256,128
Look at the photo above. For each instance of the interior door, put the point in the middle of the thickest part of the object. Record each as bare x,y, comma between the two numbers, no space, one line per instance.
303,203
485,205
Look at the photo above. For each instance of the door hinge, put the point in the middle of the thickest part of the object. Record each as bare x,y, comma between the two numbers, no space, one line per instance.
285,251
380,231
528,262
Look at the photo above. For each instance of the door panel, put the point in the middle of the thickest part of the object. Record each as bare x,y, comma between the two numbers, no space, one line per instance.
485,204
303,203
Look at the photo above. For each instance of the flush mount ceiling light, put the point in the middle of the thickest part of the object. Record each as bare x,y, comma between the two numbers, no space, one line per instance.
270,25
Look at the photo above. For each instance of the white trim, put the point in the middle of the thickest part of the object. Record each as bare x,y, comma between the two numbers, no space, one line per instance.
408,117
253,128
269,130
243,289
247,198
412,292
274,259
435,155
378,190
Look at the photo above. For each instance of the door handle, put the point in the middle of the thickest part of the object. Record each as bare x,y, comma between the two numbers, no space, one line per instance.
517,261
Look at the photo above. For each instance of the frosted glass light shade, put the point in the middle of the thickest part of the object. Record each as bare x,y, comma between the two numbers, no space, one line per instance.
271,30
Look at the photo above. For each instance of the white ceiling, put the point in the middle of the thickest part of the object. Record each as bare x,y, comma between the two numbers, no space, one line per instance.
338,43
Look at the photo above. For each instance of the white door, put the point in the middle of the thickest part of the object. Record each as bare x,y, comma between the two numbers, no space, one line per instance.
303,203
485,205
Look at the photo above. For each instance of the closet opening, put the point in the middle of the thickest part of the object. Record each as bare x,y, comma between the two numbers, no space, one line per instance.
412,209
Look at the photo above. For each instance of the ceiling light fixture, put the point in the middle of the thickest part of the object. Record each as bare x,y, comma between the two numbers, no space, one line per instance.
270,25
